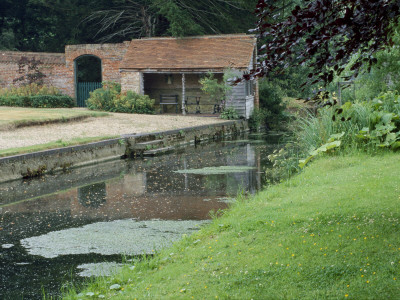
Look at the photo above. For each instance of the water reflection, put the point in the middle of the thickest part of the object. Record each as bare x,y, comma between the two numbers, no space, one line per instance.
142,190
92,195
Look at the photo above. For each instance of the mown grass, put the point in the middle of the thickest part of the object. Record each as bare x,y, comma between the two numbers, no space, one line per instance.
331,232
11,117
53,145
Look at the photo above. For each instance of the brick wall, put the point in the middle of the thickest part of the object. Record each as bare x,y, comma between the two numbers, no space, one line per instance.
53,66
59,67
110,54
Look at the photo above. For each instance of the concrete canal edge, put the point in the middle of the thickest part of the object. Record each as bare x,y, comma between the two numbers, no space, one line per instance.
148,144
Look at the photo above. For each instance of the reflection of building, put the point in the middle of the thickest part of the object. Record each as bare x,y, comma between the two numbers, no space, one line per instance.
138,189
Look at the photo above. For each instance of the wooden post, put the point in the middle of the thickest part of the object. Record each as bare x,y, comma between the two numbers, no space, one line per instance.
141,83
183,93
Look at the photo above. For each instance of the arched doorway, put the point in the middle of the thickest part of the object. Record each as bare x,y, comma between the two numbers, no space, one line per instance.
88,71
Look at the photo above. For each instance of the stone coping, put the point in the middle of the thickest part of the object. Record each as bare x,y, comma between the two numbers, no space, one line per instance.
59,159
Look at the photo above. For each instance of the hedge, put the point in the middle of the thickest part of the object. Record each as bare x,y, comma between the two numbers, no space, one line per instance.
38,101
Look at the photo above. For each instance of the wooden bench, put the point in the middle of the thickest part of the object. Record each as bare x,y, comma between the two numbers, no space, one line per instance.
168,100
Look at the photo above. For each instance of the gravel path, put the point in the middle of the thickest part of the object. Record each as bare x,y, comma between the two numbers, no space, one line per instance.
115,124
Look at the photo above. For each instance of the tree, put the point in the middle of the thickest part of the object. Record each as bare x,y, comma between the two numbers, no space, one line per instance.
324,35
46,25
129,18
147,18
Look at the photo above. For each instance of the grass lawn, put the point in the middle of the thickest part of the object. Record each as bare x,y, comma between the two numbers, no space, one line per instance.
331,232
53,145
11,117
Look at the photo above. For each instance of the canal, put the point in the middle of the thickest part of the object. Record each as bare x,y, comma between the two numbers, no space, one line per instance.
60,229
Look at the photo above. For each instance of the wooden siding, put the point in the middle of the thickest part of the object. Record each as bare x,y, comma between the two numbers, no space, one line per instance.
238,99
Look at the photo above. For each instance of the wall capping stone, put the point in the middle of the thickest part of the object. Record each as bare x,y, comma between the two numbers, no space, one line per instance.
128,145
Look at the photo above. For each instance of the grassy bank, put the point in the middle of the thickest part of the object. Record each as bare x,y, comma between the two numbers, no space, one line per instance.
53,145
330,232
12,117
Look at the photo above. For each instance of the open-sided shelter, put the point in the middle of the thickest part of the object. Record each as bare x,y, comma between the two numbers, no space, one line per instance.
166,69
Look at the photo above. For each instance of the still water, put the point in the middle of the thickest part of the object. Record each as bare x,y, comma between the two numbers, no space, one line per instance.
55,229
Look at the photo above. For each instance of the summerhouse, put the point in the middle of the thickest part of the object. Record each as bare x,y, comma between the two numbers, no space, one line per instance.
166,69
169,70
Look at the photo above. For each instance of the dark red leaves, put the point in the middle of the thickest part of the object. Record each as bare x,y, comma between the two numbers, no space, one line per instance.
324,34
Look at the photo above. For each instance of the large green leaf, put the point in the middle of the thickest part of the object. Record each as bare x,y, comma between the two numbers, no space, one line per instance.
395,145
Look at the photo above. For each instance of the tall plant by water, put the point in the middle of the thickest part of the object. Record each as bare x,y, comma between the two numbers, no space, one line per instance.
368,126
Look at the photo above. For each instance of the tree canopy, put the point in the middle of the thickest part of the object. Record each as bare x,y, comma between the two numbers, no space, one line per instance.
324,35
138,18
47,25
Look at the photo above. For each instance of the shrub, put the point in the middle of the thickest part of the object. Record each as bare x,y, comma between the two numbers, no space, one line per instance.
229,113
100,99
258,118
271,101
110,98
271,97
142,104
32,89
133,103
45,101
215,89
34,95
370,126
42,101
14,100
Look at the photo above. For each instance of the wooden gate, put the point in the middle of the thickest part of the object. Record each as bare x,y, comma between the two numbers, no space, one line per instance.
84,88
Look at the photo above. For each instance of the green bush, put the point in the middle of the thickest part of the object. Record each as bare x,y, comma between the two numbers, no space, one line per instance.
229,113
271,101
14,100
133,103
370,126
52,101
100,99
32,89
258,118
289,81
271,97
110,98
43,101
34,95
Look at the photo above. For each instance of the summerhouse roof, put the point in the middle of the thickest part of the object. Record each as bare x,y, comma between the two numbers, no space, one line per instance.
192,53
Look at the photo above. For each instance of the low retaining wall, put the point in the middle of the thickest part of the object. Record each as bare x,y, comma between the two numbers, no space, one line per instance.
62,159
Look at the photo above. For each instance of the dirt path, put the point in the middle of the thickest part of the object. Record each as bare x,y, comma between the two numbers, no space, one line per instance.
115,124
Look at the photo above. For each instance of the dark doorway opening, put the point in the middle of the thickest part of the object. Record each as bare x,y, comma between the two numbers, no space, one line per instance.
88,71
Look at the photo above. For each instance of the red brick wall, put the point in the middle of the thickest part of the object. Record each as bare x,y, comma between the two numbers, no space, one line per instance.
110,54
59,67
53,66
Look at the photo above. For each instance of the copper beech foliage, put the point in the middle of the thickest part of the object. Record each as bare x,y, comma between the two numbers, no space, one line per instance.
324,35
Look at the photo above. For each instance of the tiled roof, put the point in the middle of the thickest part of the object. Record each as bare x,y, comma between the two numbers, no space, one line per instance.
46,58
204,52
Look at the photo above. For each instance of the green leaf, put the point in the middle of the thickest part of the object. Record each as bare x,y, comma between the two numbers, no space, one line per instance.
395,145
303,162
387,118
115,287
390,138
336,136
364,130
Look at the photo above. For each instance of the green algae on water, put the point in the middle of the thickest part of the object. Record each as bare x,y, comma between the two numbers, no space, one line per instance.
216,170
